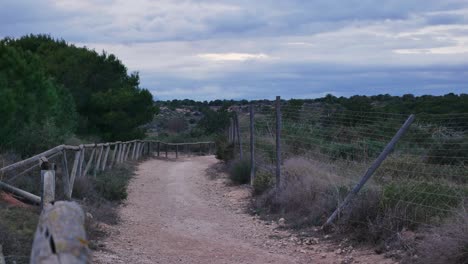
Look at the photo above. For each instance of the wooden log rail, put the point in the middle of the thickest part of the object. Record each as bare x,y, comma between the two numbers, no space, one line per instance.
60,235
103,156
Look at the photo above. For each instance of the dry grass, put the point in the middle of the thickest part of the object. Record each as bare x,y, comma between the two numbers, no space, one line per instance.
17,227
447,243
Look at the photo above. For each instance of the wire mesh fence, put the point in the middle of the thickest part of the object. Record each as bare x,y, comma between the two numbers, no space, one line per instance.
326,150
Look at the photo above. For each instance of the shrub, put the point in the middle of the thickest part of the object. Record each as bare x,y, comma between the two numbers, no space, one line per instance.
421,202
112,184
239,171
262,182
224,150
447,243
17,227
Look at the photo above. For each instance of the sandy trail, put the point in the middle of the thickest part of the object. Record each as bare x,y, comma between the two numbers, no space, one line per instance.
174,214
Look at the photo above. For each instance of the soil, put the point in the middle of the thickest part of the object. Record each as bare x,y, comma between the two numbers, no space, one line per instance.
185,211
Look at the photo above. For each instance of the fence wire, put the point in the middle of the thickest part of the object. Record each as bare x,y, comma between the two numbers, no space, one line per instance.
422,182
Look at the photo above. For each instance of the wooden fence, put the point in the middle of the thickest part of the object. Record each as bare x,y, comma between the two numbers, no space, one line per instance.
60,236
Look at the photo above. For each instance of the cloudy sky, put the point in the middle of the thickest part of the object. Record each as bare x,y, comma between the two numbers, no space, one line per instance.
207,49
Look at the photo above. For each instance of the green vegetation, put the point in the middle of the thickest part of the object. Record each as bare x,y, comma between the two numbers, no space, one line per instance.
188,121
50,89
17,227
112,184
262,182
239,171
36,111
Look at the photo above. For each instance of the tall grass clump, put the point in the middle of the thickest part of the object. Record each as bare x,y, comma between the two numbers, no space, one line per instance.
239,171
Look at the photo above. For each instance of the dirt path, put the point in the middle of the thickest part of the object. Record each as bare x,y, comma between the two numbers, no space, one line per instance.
176,214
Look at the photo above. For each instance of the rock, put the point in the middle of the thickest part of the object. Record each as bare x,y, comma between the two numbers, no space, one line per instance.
323,255
89,216
327,236
407,235
282,222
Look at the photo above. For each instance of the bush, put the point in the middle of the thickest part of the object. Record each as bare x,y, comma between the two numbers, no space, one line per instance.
239,171
262,182
421,202
224,150
17,227
447,243
112,184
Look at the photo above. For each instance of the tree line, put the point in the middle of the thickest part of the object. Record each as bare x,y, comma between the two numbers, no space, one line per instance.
51,90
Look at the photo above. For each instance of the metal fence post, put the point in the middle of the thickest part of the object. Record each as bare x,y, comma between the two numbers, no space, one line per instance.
278,142
370,171
239,141
252,146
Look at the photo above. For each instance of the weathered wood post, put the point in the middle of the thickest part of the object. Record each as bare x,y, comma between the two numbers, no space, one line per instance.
177,151
114,153
158,148
89,163
82,157
278,143
370,171
252,145
98,161
137,150
47,182
124,150
142,149
65,175
239,141
134,150
74,172
119,152
166,148
104,161
60,235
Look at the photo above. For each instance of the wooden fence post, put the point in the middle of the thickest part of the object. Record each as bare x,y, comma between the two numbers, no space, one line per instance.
177,151
89,163
113,156
252,145
47,182
138,150
104,161
144,149
370,171
166,148
158,147
65,175
278,143
98,161
134,150
74,171
60,235
239,141
82,157
127,156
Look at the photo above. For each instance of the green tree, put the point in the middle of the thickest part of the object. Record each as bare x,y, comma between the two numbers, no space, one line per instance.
93,79
36,112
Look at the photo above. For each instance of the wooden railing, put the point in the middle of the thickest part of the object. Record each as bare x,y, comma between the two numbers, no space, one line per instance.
60,236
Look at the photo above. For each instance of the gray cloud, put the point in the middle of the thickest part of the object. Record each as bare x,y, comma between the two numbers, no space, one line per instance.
253,49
